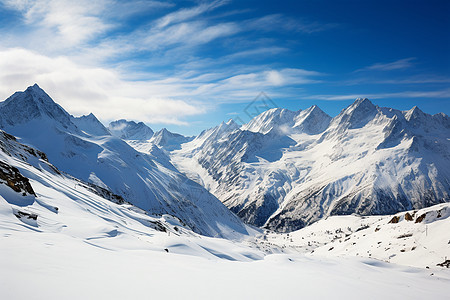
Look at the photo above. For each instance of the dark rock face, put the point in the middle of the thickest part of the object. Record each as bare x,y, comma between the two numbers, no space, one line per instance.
9,145
394,220
102,192
21,214
11,176
445,264
257,214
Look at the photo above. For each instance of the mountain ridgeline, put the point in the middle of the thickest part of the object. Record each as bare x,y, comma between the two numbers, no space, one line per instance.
283,170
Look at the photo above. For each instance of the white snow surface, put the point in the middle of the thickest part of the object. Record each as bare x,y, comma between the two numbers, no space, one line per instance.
82,246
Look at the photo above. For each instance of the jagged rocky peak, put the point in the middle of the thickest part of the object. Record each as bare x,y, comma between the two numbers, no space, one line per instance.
130,130
169,140
231,123
442,119
228,126
215,133
414,113
165,133
312,120
90,125
357,115
33,103
360,107
271,119
417,118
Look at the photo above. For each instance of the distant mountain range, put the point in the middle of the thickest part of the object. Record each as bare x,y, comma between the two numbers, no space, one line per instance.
283,170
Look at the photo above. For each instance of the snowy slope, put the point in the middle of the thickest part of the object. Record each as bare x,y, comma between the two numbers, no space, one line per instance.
415,238
285,170
145,180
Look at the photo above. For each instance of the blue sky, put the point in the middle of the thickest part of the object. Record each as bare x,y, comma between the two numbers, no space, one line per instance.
188,65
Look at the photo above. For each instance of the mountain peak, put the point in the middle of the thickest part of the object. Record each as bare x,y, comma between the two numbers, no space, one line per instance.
90,125
33,103
363,103
230,122
312,120
272,118
168,140
314,109
33,87
130,130
229,125
414,113
164,130
357,114
361,100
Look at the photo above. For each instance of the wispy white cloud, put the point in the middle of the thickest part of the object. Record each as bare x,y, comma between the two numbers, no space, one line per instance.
276,22
83,90
400,64
422,79
108,95
185,34
188,13
73,21
409,80
445,93
66,48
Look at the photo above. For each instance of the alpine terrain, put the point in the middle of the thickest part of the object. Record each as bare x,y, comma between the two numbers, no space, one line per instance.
288,169
84,215
85,149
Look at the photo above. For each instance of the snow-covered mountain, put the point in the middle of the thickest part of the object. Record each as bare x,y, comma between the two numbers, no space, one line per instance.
284,170
130,130
169,140
162,141
148,181
63,236
91,125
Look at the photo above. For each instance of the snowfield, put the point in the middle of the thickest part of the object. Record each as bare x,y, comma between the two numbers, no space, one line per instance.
52,266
